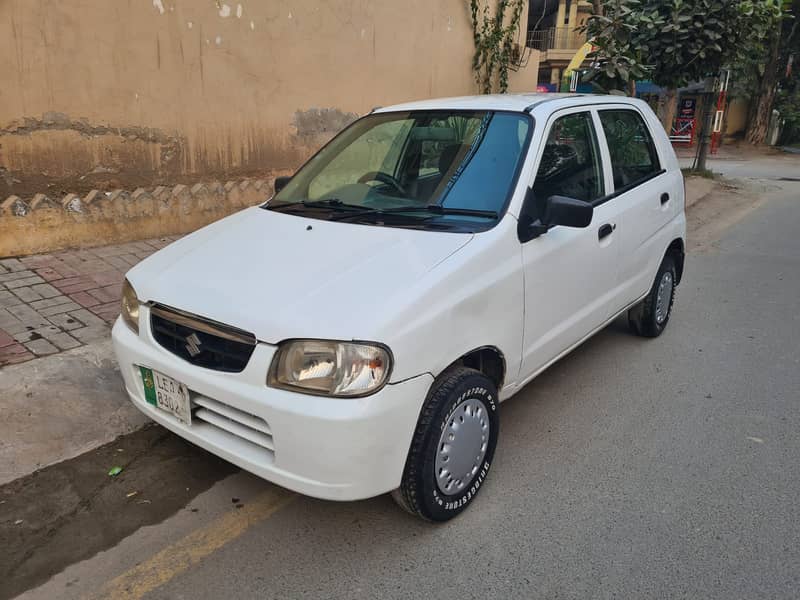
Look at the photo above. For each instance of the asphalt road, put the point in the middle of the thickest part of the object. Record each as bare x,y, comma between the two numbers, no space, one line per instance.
633,468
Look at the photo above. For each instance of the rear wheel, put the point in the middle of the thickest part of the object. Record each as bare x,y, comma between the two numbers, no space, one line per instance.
453,446
649,318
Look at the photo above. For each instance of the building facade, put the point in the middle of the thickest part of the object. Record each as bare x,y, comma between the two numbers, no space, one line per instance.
554,29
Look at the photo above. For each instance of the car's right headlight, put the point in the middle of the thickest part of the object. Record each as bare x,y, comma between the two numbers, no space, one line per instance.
130,306
330,368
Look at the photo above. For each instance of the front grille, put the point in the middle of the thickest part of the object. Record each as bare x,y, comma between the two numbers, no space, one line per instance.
201,342
232,421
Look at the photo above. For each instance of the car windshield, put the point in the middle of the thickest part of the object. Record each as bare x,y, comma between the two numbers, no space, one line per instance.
447,170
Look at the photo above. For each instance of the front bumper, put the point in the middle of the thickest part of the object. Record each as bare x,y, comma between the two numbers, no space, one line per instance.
331,448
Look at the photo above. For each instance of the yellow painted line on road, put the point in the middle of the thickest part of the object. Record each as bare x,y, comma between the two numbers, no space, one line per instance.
187,552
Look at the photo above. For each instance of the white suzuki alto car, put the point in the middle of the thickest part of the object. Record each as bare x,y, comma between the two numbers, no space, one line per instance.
356,334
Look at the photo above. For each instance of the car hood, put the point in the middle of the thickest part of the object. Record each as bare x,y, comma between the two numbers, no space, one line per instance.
282,276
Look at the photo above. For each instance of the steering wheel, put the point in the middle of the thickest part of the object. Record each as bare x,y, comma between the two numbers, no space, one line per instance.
383,178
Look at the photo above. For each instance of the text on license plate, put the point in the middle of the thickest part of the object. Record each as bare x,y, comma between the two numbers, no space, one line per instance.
166,393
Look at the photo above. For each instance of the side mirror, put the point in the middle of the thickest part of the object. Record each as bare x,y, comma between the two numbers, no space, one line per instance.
569,212
280,182
558,210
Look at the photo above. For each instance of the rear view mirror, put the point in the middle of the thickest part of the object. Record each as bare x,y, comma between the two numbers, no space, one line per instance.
280,183
434,134
569,212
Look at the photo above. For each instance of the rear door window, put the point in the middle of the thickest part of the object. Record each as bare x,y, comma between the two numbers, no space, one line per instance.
633,154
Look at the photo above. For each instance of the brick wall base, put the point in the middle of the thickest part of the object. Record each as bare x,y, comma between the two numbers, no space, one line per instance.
46,225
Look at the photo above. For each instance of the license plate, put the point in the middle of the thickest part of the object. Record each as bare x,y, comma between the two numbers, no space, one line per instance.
167,394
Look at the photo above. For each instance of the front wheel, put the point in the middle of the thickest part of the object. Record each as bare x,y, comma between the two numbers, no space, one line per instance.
649,318
453,446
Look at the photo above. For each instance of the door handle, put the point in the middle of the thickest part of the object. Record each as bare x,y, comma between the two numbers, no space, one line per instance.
664,198
605,230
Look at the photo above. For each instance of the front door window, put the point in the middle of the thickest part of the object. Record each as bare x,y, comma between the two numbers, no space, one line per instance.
570,164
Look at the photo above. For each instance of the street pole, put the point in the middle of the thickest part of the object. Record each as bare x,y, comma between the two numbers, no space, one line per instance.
704,139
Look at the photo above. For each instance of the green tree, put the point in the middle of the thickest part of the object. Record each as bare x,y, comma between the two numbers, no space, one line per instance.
771,70
617,58
674,42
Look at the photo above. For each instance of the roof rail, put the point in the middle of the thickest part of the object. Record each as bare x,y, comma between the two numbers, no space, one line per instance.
530,107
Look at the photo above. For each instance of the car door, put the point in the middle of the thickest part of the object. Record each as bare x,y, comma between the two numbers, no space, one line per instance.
648,196
569,273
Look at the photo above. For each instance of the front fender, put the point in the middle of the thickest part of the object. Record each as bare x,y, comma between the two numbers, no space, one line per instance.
474,298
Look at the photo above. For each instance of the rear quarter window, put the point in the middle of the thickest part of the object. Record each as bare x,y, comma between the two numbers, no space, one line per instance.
633,154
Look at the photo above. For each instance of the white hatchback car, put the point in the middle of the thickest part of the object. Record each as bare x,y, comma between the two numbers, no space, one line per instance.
356,333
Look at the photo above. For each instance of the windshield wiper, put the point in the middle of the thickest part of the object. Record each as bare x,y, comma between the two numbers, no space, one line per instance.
332,203
443,210
435,210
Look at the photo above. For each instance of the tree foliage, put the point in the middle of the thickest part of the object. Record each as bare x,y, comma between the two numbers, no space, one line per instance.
674,42
748,72
618,57
772,79
494,34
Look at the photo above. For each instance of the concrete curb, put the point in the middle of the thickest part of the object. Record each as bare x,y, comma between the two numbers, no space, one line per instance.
57,407
698,189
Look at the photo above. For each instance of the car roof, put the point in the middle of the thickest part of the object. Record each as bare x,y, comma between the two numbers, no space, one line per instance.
526,102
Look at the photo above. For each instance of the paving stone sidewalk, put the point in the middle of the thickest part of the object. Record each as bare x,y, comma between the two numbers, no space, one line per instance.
54,302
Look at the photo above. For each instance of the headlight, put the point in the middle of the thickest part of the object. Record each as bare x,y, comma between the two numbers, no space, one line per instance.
130,306
328,368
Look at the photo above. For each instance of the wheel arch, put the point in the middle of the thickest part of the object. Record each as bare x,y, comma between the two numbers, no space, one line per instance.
677,251
489,360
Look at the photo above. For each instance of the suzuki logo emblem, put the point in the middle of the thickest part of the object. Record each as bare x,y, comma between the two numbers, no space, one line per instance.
193,345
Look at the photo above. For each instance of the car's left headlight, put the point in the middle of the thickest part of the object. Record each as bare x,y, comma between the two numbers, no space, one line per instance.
330,368
130,306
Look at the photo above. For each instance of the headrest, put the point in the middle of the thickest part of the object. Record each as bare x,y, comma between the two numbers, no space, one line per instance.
447,157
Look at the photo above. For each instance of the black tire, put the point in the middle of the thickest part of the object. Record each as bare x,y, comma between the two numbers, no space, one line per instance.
643,318
419,492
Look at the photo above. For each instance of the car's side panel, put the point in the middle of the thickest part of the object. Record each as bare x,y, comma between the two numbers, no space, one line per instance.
570,276
476,298
642,220
633,211
644,215
473,299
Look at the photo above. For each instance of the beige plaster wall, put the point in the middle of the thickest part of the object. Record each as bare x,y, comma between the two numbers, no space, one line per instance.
737,116
121,93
